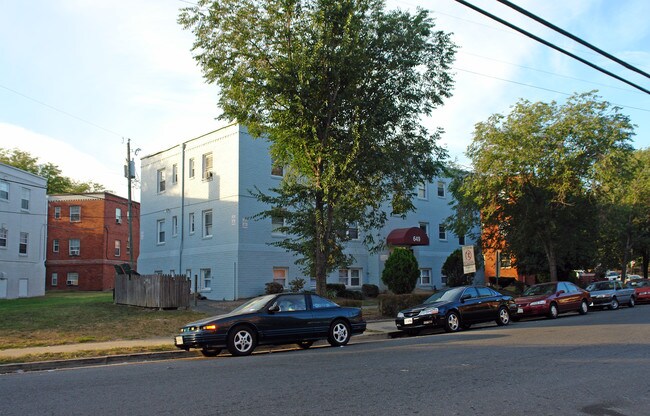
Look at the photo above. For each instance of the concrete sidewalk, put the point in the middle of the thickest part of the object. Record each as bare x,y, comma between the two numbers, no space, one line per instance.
374,329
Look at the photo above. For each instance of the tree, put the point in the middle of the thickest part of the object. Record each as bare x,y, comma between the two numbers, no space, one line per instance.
338,89
401,271
56,183
537,171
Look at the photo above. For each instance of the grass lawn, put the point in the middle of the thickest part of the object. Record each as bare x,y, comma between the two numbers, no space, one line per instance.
76,317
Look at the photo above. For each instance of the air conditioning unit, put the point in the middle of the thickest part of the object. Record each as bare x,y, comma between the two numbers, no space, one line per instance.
209,175
118,220
70,283
74,252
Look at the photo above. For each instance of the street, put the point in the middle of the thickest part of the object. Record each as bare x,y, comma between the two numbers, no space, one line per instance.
596,364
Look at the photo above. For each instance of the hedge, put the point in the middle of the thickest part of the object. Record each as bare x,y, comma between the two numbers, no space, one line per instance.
390,304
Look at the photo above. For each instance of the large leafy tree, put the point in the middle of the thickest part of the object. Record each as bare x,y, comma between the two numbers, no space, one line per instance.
56,183
338,88
537,172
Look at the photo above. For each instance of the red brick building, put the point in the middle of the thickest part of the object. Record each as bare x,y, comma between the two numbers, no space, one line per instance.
87,234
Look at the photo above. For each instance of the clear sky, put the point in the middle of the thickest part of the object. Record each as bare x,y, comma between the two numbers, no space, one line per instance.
78,77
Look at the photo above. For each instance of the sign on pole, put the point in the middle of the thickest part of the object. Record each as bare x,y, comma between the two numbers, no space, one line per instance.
469,263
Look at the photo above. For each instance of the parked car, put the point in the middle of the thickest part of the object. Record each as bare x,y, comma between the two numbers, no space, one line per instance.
631,277
610,294
552,299
457,308
273,319
641,290
612,275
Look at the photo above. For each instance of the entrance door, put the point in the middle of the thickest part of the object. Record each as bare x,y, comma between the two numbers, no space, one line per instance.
22,288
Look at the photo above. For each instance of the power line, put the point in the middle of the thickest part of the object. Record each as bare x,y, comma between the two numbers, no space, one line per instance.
573,37
550,45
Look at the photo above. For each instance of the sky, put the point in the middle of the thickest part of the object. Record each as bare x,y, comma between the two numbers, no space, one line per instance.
79,78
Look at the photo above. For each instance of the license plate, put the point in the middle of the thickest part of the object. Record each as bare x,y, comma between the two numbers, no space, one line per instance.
520,310
179,340
408,321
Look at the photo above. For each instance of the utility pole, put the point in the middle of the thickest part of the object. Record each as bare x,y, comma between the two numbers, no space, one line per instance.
130,174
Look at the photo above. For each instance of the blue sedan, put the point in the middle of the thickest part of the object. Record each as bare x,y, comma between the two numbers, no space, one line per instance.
285,318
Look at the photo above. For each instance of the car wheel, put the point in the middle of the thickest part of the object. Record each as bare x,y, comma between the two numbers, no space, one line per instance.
631,303
242,340
584,307
210,352
614,305
452,322
503,317
305,344
339,333
552,311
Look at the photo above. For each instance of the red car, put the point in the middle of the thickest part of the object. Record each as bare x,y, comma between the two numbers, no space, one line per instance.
641,289
552,299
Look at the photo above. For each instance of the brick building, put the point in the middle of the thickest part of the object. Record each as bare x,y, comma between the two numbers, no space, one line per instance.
87,235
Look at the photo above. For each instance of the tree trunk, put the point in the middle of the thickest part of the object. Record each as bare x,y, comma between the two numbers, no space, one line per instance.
552,260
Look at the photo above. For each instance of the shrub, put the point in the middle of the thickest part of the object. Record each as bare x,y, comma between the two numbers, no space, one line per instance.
349,302
401,271
390,304
273,287
453,269
351,294
370,291
297,285
336,287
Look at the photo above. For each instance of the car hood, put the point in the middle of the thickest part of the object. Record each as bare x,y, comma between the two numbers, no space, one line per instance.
600,292
212,319
426,305
528,299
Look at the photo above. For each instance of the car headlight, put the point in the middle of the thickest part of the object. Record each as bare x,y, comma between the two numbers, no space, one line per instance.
539,302
603,296
429,311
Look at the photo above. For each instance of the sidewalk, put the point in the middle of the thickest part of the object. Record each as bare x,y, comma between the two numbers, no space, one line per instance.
374,329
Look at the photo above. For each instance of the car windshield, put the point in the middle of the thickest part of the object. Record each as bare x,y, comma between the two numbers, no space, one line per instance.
536,290
253,305
600,286
445,295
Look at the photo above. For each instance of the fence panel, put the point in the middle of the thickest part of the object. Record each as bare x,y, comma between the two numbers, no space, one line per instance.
152,291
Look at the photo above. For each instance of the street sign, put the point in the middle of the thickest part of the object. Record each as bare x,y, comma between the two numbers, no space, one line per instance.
469,263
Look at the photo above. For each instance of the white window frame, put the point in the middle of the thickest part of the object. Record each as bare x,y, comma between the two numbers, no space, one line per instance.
424,226
175,173
346,276
3,237
118,248
441,187
57,213
207,166
174,226
25,196
160,180
191,171
191,223
281,275
55,245
54,279
422,191
75,213
205,279
72,279
160,231
425,277
353,231
275,226
74,247
4,190
118,215
23,245
207,225
442,232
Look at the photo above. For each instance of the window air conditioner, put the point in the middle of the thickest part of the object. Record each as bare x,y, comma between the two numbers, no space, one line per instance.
118,220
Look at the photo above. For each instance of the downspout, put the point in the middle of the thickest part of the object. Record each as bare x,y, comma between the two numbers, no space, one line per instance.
180,254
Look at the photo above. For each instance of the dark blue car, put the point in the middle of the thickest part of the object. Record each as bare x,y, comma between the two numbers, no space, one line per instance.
285,318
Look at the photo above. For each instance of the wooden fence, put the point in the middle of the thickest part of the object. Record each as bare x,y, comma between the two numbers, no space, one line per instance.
153,291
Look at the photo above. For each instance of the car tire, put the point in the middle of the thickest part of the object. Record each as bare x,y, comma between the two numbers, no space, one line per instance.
503,317
552,311
339,333
242,340
614,305
305,344
210,352
584,307
452,322
632,302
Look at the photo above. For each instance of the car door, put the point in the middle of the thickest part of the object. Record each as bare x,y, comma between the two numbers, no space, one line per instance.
470,305
287,320
489,302
566,301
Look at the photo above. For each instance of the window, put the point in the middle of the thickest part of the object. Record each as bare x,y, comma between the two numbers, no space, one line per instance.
22,246
422,190
161,180
191,223
442,233
75,213
54,279
55,246
174,226
118,215
443,280
118,248
441,189
276,225
160,228
506,262
175,173
24,201
190,171
353,231
289,303
484,292
425,277
461,240
57,213
206,279
280,275
424,226
207,166
207,223
3,237
321,303
73,279
74,247
350,277
4,190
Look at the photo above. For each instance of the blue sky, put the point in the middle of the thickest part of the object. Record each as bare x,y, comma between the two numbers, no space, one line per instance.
77,77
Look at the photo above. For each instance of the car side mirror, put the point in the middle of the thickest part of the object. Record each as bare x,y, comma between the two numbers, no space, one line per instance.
274,308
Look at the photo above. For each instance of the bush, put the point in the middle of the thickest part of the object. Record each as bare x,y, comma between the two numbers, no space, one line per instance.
370,291
351,294
401,271
297,285
273,287
390,304
336,287
349,302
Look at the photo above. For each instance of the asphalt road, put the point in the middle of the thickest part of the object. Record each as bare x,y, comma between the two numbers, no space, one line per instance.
598,364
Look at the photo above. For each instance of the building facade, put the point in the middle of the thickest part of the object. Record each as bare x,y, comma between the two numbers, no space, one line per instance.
23,230
196,220
88,234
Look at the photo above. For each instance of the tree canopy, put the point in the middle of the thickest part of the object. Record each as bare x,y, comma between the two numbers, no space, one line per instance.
56,183
339,89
